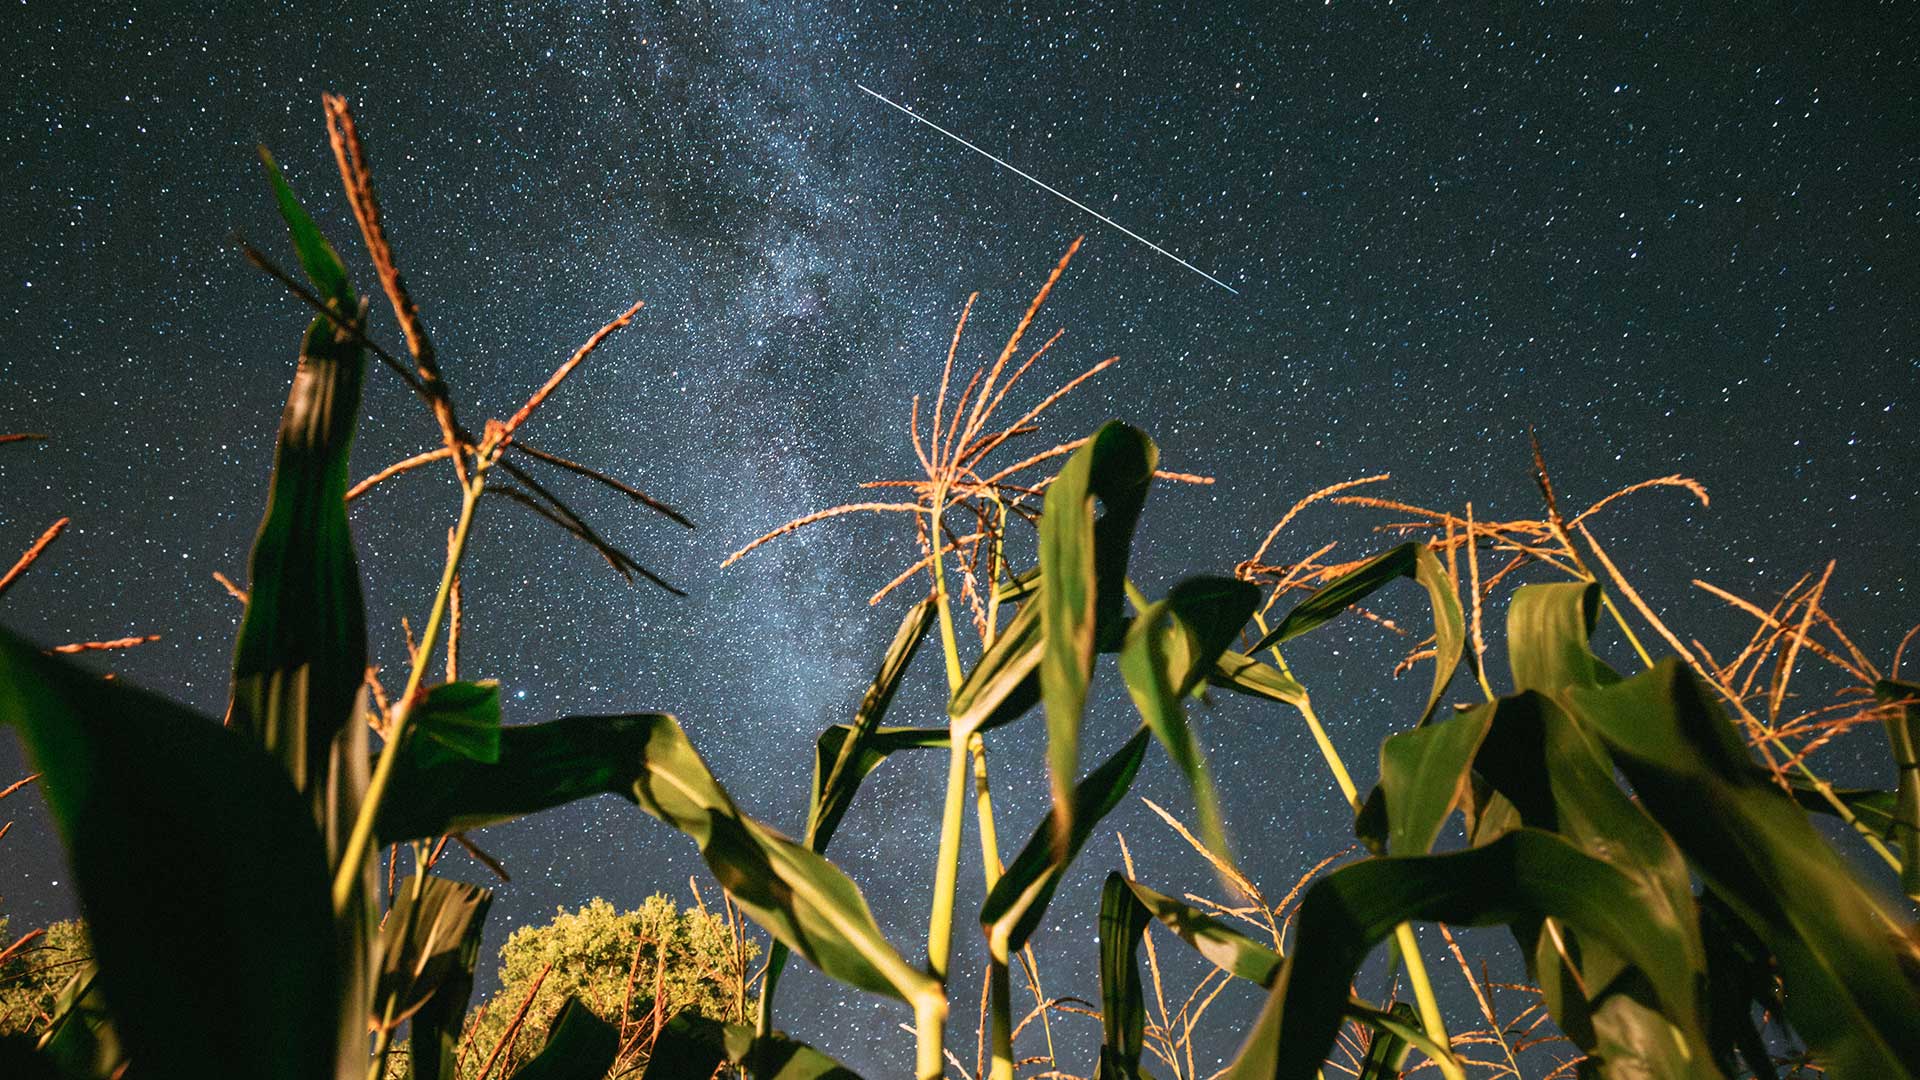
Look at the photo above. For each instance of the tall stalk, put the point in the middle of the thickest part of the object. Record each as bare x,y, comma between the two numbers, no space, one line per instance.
946,874
361,836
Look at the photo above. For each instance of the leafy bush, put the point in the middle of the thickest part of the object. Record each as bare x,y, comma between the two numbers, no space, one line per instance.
638,968
33,973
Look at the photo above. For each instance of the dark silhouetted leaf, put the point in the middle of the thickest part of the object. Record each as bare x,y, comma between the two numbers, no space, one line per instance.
695,1046
580,1046
201,875
428,946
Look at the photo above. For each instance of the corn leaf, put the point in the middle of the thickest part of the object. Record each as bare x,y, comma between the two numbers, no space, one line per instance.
1083,566
1900,715
460,718
201,875
1525,875
1409,560
1424,776
1847,986
836,771
1170,647
801,899
1243,674
301,657
1015,905
80,1040
428,946
579,1046
692,1045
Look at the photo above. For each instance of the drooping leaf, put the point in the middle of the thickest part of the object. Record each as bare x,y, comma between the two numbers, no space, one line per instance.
1847,982
460,718
879,744
201,875
1243,674
1870,807
843,756
579,1046
1083,566
1424,775
1525,875
1548,628
1171,646
696,1046
1409,560
428,946
1015,905
1005,681
1222,946
801,899
1900,715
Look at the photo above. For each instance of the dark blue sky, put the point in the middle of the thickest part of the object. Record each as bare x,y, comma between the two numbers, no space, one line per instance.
1671,241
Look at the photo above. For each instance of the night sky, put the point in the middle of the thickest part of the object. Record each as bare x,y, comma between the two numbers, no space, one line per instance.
1671,242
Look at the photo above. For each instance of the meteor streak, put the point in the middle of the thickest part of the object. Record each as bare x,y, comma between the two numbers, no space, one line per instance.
1016,169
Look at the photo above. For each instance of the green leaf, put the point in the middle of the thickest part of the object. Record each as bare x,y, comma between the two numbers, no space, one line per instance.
301,657
1171,646
1525,875
1222,946
692,1045
837,772
1013,908
801,899
203,880
1123,1007
461,718
874,749
1005,681
428,946
579,1046
1845,976
1387,1054
1243,674
1901,718
1548,627
317,257
1409,560
1083,566
1424,776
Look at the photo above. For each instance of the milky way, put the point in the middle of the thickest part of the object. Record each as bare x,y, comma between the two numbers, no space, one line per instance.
1669,242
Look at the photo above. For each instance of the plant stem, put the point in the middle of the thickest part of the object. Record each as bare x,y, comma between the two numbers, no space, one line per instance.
1430,1018
947,871
999,986
931,1035
357,841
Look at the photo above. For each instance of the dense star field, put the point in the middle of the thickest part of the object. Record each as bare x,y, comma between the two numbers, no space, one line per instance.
1671,243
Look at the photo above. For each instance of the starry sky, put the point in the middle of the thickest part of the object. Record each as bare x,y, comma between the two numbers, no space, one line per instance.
1672,241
